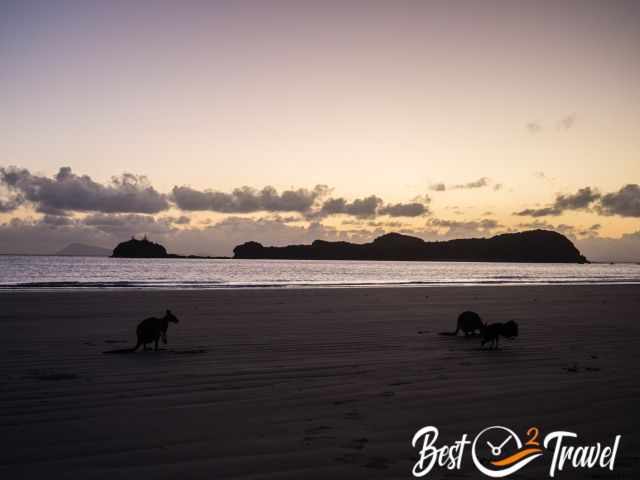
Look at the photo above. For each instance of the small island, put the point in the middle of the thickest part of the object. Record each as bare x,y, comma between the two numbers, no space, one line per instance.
145,248
533,246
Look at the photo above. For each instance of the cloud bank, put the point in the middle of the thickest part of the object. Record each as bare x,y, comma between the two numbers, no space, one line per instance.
67,191
624,203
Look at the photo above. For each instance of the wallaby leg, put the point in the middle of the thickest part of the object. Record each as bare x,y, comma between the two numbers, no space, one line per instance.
156,344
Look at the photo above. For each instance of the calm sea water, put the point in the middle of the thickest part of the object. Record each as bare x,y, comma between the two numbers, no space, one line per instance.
43,272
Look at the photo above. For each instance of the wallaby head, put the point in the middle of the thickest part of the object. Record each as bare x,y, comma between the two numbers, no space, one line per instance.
171,317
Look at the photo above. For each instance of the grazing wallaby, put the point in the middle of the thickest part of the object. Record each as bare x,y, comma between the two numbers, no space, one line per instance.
491,333
468,322
152,329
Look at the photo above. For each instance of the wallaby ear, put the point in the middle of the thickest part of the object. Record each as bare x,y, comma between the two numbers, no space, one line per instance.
168,311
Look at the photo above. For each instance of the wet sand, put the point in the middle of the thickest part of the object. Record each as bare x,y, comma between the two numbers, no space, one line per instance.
308,383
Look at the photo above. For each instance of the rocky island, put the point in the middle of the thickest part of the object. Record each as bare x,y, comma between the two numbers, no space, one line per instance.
145,248
529,246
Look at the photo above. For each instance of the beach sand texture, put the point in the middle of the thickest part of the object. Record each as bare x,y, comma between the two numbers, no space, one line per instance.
308,383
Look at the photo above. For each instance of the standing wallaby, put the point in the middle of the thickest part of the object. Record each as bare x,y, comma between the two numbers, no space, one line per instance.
468,322
491,333
152,329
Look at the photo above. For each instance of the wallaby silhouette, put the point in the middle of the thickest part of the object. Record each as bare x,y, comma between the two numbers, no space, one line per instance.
491,333
152,329
468,322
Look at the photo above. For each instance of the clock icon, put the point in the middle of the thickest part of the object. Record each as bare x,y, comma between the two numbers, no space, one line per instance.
498,451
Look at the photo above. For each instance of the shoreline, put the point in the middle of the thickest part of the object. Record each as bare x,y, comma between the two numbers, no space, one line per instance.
200,288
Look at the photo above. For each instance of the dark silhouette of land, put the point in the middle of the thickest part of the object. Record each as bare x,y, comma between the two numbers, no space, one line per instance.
145,248
135,248
529,246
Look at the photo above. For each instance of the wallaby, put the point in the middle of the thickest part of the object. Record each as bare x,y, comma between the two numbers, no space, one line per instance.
152,329
468,322
491,333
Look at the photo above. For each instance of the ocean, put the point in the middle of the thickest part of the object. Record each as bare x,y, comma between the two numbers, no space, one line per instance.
73,273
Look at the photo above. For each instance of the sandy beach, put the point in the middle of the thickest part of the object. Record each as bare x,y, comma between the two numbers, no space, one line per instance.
307,383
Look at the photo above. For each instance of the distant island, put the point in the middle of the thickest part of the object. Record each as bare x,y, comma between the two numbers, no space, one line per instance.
83,250
145,248
529,246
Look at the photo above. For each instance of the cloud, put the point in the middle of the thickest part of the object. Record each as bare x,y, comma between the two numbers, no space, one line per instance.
533,127
372,206
580,200
479,183
10,204
360,207
567,122
463,229
127,225
46,236
67,191
625,202
247,200
604,249
413,209
181,220
58,220
568,230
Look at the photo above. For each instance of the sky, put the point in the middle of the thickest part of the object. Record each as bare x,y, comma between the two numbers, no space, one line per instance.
209,123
